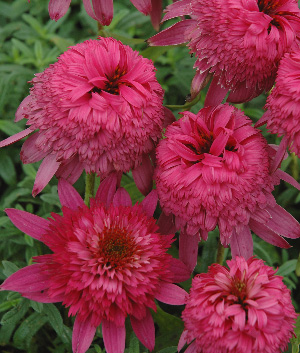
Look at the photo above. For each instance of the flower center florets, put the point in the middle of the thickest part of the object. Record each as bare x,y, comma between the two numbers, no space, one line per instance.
112,84
268,6
116,247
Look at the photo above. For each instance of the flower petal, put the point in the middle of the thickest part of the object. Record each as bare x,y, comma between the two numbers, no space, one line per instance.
107,189
46,171
58,8
144,330
68,195
104,11
144,6
28,223
29,152
241,242
149,203
122,198
15,138
188,249
155,13
83,334
113,337
143,175
180,272
215,94
171,294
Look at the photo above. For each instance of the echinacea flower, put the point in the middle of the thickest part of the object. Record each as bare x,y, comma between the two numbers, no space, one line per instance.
239,42
103,11
213,169
246,308
98,109
108,261
283,104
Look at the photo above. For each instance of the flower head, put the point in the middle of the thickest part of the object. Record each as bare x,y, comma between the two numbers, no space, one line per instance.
245,308
108,261
283,104
213,169
239,42
98,108
103,11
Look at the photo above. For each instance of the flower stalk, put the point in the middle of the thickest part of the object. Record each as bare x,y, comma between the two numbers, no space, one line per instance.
89,187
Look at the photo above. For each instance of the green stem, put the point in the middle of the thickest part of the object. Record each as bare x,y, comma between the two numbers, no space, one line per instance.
220,253
89,187
298,266
188,105
295,169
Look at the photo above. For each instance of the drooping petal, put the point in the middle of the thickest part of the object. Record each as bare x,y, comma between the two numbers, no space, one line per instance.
68,195
200,80
215,94
28,223
107,189
104,11
143,6
83,334
113,337
279,155
15,138
43,297
155,13
149,203
286,177
241,243
169,117
188,249
122,198
182,340
172,35
58,8
268,234
171,294
44,174
143,175
22,109
28,279
144,330
166,224
70,171
89,9
180,272
177,9
29,152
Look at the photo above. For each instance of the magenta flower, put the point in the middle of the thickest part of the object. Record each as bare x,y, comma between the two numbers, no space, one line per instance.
108,262
103,11
239,42
213,169
98,108
283,104
245,308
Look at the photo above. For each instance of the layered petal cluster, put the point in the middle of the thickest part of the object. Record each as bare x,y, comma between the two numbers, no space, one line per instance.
213,169
239,42
245,308
108,261
98,108
103,11
283,104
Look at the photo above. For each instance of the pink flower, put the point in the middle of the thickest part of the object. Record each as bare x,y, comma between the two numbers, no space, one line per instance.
283,104
239,42
102,10
213,169
108,262
98,108
245,308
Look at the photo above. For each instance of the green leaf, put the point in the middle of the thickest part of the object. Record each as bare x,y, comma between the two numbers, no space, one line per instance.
295,341
28,329
16,313
51,199
9,128
8,304
134,344
153,53
23,48
29,170
9,268
38,307
54,318
287,268
34,24
172,349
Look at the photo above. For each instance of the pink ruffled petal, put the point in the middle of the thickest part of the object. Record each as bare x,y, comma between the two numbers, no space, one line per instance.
22,109
199,81
268,234
58,8
46,171
68,195
280,154
178,9
29,152
149,203
263,120
180,272
144,6
28,223
104,11
143,175
122,198
283,223
15,138
192,348
113,337
169,117
215,94
70,171
172,35
83,334
144,330
28,279
107,189
188,249
171,294
155,13
241,243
